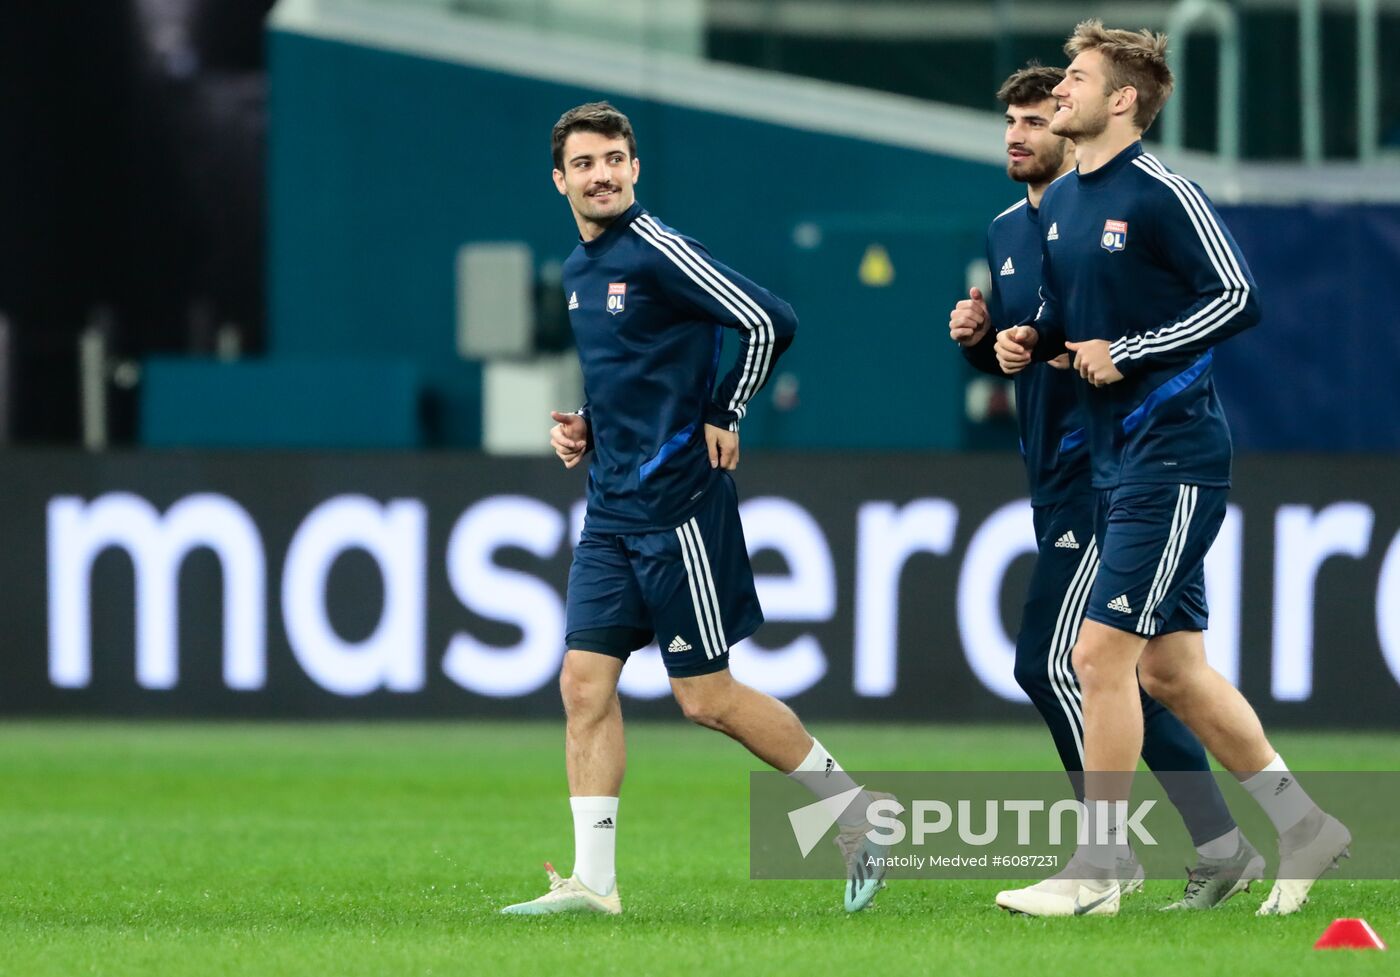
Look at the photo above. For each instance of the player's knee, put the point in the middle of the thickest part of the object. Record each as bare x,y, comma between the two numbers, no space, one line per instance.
703,703
585,697
1085,661
702,710
1174,666
1092,661
1160,680
702,716
1154,685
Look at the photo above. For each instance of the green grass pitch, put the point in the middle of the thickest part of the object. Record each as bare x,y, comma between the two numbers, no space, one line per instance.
348,849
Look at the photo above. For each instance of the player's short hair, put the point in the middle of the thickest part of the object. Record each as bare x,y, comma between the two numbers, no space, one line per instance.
599,117
1030,85
1136,58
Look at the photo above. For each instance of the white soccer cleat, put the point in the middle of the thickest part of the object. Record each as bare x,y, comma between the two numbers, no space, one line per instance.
1066,894
863,879
567,896
1301,863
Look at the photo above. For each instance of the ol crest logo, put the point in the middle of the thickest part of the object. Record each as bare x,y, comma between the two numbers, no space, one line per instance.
1115,235
617,297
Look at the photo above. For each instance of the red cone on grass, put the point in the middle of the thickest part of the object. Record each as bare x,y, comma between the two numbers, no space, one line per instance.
1349,934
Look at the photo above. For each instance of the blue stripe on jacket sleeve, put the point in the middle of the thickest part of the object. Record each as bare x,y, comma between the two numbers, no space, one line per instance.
1166,391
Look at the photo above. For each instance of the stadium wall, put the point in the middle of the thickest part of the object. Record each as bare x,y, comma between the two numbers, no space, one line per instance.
383,165
396,140
279,585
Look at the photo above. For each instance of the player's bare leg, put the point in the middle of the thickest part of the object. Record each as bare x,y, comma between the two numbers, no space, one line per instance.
596,757
1175,670
1224,721
766,727
772,732
1175,664
594,747
1105,660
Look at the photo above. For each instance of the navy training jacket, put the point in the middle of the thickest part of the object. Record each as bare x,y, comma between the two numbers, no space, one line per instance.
648,308
1136,255
1051,421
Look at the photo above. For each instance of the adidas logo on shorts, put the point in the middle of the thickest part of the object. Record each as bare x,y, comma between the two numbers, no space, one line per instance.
1067,542
1120,603
678,645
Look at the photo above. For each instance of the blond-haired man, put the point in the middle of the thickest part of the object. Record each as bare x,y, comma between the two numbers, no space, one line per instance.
1141,281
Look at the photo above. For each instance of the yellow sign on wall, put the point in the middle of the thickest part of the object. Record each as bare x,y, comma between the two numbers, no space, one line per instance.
876,269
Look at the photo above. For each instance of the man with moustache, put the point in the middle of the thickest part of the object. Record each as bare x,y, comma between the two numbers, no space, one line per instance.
1057,466
662,554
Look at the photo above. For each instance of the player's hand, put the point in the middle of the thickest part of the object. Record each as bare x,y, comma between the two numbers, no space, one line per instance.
1094,362
568,437
1014,347
967,323
724,447
1060,362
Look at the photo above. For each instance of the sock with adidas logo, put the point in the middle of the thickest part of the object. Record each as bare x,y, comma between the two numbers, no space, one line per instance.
595,842
823,776
1280,795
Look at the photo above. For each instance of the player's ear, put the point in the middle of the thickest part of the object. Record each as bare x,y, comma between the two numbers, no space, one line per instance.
1124,99
559,182
636,169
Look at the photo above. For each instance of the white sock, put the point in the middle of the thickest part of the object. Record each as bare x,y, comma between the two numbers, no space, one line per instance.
1280,795
1223,847
823,776
595,842
1105,853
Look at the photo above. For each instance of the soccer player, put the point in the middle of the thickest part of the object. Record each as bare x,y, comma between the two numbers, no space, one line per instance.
662,552
1140,281
1057,467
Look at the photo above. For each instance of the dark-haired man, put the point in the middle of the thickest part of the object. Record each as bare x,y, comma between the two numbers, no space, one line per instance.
1057,467
1141,280
662,553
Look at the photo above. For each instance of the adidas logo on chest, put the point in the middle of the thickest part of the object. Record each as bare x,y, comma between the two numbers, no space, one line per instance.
1007,268
1054,234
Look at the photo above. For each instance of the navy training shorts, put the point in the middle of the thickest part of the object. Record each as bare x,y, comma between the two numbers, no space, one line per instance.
691,588
1153,541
